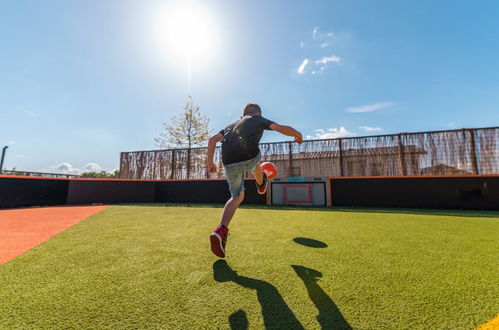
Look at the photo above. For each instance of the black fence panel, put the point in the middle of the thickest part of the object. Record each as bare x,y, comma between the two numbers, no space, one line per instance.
427,192
22,192
203,191
109,191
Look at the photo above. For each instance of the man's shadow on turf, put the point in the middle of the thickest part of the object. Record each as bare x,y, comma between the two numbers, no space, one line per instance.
329,316
276,313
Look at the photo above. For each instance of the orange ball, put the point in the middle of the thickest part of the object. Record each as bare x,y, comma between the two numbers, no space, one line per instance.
270,169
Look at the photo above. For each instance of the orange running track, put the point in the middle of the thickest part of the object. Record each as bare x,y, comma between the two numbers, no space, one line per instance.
23,229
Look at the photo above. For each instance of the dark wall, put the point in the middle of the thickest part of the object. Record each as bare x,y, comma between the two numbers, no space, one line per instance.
420,192
108,191
207,191
18,192
426,192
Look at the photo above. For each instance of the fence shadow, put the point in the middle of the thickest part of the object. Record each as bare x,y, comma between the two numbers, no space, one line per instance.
276,313
329,316
440,212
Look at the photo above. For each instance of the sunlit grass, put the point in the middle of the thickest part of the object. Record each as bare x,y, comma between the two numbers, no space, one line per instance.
151,267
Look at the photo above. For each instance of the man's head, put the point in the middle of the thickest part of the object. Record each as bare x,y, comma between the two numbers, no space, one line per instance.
252,109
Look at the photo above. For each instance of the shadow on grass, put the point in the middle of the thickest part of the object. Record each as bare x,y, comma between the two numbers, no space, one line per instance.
441,212
313,243
238,320
276,313
329,316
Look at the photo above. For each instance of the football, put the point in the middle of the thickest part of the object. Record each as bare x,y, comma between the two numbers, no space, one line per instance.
270,169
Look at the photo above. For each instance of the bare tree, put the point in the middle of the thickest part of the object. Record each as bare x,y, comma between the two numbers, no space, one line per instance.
185,130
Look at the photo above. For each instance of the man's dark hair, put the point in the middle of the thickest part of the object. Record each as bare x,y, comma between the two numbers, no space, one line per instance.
252,109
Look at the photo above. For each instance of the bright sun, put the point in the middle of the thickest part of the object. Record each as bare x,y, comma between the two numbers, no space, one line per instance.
187,32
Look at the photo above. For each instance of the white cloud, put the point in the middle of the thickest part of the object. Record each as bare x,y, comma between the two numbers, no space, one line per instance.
68,168
318,35
12,142
452,124
327,59
331,133
301,68
92,167
371,129
371,107
32,114
315,33
319,40
317,66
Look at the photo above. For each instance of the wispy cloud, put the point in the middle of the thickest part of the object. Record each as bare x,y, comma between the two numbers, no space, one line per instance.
371,107
331,133
303,65
32,114
320,65
320,40
315,33
327,59
371,129
12,142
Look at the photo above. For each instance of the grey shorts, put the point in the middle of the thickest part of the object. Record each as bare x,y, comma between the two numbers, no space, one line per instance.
235,172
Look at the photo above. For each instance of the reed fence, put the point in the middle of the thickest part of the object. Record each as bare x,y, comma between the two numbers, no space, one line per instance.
451,152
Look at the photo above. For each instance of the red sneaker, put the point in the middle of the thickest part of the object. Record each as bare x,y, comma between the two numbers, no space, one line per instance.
218,239
263,187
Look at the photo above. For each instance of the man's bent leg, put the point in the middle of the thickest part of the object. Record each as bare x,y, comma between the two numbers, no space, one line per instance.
230,208
218,238
258,174
261,179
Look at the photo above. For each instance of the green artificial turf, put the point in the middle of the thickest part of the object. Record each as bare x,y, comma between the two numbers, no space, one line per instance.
151,267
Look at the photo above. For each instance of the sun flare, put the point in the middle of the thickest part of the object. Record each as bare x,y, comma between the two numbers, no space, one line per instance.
187,32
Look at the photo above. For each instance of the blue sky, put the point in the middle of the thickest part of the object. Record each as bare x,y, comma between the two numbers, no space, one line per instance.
82,81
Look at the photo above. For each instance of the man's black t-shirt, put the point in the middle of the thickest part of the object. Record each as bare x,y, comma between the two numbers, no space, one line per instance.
242,137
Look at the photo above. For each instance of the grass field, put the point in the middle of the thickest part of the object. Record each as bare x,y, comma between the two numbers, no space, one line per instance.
151,267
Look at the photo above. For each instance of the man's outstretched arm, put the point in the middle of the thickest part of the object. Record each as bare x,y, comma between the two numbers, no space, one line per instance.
287,130
212,142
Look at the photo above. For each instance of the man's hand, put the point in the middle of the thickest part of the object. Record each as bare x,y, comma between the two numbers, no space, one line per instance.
298,138
287,130
212,142
212,168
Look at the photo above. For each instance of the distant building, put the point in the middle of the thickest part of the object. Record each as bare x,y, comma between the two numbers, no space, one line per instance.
356,162
442,169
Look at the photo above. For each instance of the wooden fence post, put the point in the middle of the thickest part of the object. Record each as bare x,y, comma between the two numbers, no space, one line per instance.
401,155
341,156
122,165
188,162
172,176
474,162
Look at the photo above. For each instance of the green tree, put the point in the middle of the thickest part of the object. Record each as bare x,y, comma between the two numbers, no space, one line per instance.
102,174
186,130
